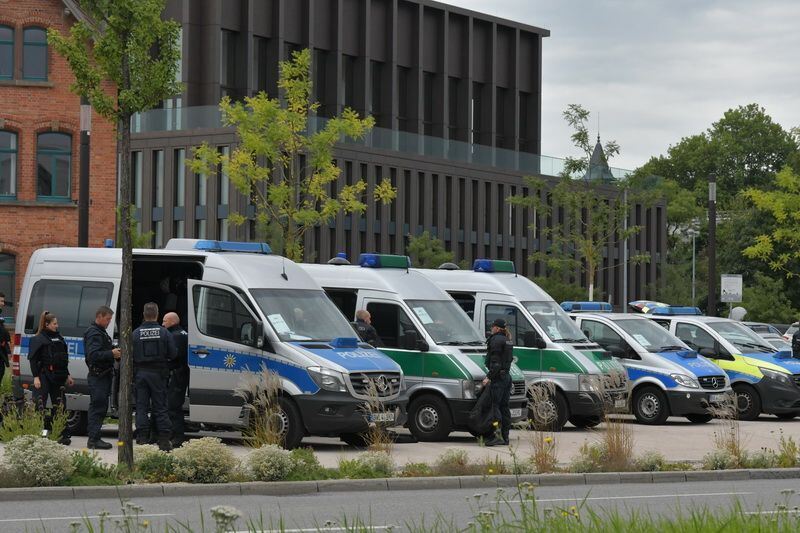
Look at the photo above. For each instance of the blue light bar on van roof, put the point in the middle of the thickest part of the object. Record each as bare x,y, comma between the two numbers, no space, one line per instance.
233,246
586,307
493,265
384,261
676,310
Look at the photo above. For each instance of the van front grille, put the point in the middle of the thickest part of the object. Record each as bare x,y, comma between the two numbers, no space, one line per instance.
387,384
518,388
712,382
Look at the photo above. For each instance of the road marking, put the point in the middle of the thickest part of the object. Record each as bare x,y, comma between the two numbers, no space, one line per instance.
93,517
645,497
322,529
779,511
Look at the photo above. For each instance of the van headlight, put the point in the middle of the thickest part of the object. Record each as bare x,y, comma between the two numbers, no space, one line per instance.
685,381
777,376
471,389
589,383
327,379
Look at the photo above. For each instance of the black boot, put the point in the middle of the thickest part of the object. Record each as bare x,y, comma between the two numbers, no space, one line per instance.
164,443
496,440
98,445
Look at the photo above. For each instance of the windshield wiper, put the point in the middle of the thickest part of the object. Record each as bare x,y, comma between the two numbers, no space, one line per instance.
672,348
570,340
758,346
452,343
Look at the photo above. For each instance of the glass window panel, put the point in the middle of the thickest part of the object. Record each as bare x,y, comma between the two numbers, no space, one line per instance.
34,62
180,177
44,175
221,314
6,59
8,284
35,35
158,178
61,184
224,181
202,189
73,302
55,141
8,140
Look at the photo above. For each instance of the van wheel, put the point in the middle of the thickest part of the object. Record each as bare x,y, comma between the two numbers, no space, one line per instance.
78,423
550,414
650,406
585,421
698,418
748,402
288,423
429,418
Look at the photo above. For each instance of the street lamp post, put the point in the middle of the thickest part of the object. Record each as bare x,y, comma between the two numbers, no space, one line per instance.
693,234
83,183
711,309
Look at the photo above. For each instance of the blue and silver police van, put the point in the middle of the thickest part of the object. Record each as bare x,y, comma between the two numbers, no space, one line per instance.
665,376
245,310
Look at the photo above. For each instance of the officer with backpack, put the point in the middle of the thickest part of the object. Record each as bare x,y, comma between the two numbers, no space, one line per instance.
153,350
49,359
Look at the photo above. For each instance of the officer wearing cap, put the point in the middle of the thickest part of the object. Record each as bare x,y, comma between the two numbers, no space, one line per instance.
153,349
499,356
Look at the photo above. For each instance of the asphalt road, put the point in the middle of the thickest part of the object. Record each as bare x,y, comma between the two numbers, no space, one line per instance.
398,510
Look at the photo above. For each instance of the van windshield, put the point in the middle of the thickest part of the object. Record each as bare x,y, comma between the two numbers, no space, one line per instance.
650,335
555,322
445,322
742,337
302,314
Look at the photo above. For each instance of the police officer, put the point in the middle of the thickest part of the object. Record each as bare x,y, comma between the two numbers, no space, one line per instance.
796,344
178,376
49,358
153,349
5,348
499,356
100,355
365,329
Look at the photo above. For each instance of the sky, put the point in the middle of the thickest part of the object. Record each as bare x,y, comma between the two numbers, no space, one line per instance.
659,70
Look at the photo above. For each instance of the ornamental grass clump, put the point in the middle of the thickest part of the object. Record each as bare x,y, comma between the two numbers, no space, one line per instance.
270,463
204,460
41,462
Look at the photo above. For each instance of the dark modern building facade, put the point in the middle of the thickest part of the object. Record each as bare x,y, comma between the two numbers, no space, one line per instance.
456,96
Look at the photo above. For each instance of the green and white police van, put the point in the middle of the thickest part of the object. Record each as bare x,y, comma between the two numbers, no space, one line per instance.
245,310
548,346
424,331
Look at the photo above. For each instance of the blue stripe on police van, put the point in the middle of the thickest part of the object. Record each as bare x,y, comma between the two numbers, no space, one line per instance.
792,365
735,376
635,374
353,359
238,362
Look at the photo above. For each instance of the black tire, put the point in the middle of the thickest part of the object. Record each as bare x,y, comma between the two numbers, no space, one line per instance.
78,423
429,418
550,415
650,406
585,421
698,418
748,402
787,416
356,440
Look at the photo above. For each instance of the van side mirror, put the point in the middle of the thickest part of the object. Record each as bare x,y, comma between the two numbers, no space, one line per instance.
616,350
409,340
532,339
708,352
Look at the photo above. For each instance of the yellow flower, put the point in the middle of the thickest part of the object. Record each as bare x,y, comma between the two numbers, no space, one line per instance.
146,523
491,471
495,423
120,443
548,440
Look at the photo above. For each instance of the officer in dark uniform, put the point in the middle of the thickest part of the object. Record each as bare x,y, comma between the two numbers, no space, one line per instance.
153,349
796,344
365,330
100,355
5,348
499,356
178,376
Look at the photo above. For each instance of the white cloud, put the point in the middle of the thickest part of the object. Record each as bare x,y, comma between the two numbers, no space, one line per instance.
659,70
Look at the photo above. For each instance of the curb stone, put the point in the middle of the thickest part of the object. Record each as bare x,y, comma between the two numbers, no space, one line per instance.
285,488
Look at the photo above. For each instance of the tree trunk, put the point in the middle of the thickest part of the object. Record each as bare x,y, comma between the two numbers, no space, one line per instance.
590,275
125,445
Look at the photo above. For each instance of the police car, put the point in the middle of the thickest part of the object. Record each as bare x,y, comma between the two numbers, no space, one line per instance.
245,310
764,380
666,377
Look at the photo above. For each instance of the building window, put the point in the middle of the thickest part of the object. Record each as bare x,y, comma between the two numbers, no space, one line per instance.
8,164
8,283
223,194
524,110
349,81
403,98
6,53
260,63
428,79
377,93
229,60
158,197
320,86
179,228
34,54
54,161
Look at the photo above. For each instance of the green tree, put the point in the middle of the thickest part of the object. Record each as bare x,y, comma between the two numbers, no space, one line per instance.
125,61
284,168
560,290
577,118
427,251
766,301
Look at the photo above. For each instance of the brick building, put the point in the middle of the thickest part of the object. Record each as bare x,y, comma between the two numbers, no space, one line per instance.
39,144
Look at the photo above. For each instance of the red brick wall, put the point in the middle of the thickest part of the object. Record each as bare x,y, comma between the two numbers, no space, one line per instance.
31,108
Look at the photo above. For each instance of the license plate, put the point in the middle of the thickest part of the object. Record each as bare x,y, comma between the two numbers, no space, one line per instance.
516,413
716,398
381,417
620,404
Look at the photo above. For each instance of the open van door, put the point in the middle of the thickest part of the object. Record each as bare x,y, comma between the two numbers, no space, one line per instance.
225,341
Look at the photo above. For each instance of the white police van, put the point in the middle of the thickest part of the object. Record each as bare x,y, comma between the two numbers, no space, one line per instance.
666,377
244,310
425,332
548,346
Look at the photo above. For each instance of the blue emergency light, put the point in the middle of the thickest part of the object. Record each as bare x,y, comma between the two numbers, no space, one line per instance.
384,261
586,307
493,265
233,246
676,310
344,342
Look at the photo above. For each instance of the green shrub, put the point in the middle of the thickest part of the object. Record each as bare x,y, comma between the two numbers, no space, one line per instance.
204,460
788,452
153,465
719,460
28,421
41,462
651,462
763,458
9,479
416,470
306,466
269,463
591,458
88,469
5,386
454,463
367,465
